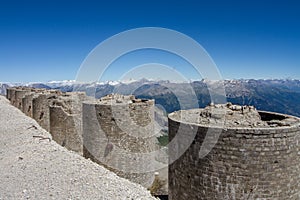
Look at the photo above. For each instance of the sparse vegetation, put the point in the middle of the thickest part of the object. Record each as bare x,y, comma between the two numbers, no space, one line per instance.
164,139
156,185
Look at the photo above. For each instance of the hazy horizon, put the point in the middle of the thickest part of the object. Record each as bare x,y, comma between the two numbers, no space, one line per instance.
149,79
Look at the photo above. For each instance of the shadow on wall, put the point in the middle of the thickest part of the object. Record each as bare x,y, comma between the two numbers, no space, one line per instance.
61,113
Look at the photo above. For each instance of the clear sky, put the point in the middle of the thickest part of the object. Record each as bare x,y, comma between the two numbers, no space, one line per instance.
48,40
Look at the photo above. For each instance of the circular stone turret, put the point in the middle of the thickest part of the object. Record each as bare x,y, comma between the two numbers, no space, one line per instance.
118,133
254,155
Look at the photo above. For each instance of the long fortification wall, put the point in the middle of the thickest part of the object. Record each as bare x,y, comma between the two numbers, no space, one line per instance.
41,169
116,131
66,123
259,160
11,94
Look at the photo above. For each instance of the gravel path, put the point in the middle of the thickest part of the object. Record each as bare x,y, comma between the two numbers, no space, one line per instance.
36,168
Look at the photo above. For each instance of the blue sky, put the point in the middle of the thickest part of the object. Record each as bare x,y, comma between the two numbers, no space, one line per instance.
48,40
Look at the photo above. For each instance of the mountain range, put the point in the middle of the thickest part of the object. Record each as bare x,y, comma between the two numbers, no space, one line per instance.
271,95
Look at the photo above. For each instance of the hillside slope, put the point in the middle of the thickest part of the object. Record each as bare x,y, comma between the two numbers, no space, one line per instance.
34,167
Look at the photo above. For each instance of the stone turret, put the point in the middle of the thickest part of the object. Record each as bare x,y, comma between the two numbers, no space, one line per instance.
118,132
40,108
66,120
255,154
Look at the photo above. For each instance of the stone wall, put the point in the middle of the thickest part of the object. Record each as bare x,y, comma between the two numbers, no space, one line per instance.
66,112
19,95
40,109
11,94
119,134
66,120
27,103
245,163
65,128
27,100
118,130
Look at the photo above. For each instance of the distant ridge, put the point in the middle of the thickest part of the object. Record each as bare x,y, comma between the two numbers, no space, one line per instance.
278,95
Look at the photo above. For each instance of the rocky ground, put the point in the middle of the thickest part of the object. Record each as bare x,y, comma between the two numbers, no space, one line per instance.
32,166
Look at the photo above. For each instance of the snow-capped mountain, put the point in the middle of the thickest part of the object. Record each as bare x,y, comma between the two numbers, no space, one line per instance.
272,94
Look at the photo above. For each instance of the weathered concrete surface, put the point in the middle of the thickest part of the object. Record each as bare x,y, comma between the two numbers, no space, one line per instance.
19,95
27,103
258,161
10,94
66,128
118,132
40,109
66,120
34,168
